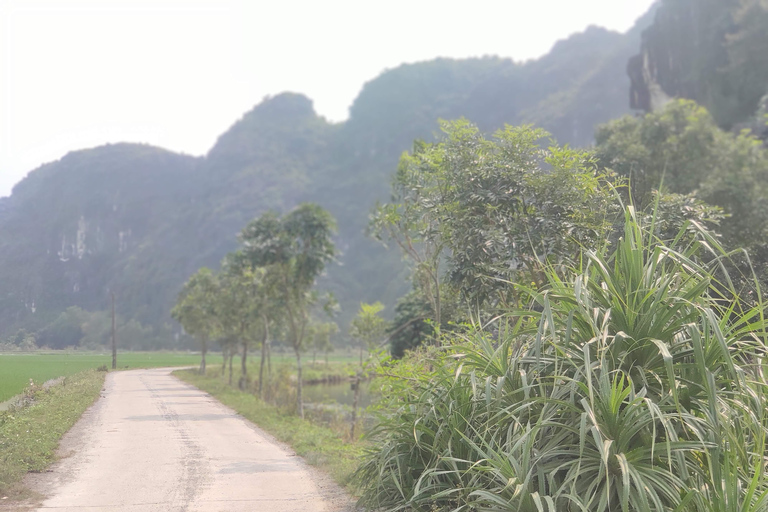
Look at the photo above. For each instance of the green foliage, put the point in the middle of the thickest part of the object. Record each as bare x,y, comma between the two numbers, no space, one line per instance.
196,307
495,210
320,333
92,330
293,251
368,327
269,281
241,302
65,331
475,215
300,243
746,74
634,384
22,340
410,327
682,147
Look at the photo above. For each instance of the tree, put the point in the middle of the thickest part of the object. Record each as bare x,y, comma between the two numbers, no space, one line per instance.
321,338
270,315
256,310
409,222
368,327
681,149
483,219
196,310
65,331
410,328
242,306
294,250
29,343
493,210
228,345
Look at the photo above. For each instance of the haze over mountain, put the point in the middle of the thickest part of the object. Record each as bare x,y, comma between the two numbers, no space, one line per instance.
82,73
138,220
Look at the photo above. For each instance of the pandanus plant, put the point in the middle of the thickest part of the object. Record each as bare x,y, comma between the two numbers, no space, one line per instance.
635,383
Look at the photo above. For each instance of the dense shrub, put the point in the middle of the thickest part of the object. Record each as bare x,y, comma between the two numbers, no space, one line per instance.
635,384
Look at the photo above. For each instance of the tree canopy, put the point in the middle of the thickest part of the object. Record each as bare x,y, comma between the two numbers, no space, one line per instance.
494,209
197,309
293,250
682,149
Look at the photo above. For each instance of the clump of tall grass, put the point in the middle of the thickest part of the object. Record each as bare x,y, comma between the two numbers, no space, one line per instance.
635,384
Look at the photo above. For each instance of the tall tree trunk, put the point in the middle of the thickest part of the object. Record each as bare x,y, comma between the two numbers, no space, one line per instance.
354,407
224,354
438,306
298,336
231,356
243,368
263,357
204,343
114,335
299,397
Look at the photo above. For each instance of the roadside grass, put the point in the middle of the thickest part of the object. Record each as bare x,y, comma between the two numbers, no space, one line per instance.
336,368
320,446
29,435
17,369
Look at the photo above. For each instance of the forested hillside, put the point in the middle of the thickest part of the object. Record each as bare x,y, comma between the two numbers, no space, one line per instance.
138,220
76,229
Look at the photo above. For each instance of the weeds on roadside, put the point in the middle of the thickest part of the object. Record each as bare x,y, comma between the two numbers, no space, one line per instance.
30,433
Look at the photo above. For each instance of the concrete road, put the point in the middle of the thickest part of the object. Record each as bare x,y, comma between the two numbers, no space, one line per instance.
154,443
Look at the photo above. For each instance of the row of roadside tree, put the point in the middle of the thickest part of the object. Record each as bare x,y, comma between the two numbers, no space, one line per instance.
585,331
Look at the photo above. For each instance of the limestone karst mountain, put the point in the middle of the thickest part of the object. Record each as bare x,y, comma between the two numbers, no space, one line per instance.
714,52
139,220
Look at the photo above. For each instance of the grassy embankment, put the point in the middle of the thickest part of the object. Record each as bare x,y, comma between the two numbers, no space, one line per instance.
17,369
29,435
322,446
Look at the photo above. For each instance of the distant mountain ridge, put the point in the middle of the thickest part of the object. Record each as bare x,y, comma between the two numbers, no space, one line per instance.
139,220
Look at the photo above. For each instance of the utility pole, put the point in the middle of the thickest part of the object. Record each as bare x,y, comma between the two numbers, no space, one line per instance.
114,335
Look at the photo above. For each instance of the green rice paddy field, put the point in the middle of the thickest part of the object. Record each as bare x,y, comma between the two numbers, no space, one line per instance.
17,369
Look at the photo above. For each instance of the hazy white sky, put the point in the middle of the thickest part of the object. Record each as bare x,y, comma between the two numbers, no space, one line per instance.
177,73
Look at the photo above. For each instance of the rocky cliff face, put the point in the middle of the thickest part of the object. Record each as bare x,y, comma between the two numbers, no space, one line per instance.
71,230
714,52
684,44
